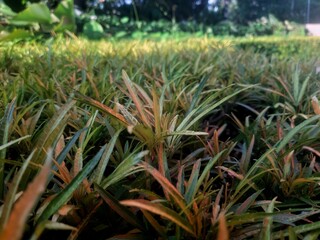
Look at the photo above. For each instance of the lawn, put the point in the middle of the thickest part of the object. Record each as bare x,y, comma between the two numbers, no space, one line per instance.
198,138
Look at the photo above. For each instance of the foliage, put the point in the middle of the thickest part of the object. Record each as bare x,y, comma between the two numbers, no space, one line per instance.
113,19
36,18
123,28
196,138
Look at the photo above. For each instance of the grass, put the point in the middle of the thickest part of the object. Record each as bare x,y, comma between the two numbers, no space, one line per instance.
198,138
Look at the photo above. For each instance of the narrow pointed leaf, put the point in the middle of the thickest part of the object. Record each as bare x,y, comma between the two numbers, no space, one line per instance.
192,183
5,124
160,210
98,174
135,98
11,195
305,228
16,223
207,169
248,203
67,192
223,233
124,169
267,222
196,96
119,209
294,131
168,187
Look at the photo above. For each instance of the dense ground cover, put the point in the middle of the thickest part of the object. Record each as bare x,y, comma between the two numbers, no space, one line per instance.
197,138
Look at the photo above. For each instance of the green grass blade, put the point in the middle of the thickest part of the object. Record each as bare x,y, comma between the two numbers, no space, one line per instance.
255,167
98,174
134,96
50,135
312,236
119,209
302,91
195,115
248,202
296,85
67,192
124,169
267,222
207,169
292,234
51,131
180,181
4,146
52,226
305,228
68,147
196,96
5,124
191,187
294,131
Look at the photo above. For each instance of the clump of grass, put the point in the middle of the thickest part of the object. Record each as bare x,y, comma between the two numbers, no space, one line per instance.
191,139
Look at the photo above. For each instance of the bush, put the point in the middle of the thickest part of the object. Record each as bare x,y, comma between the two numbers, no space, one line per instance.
281,46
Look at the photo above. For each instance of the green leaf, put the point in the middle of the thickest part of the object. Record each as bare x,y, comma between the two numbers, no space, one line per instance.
206,170
4,146
93,30
5,124
205,108
296,84
292,234
246,181
196,96
118,208
295,131
34,13
305,228
124,169
312,236
50,134
67,192
248,202
303,89
5,10
65,12
191,186
50,225
267,222
67,148
98,174
16,34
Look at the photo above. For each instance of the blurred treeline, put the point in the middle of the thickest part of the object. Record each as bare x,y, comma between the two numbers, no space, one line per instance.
145,18
204,11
